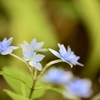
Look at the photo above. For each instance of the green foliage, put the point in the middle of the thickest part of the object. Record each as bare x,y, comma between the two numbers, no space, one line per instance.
90,15
29,20
15,96
20,82
55,89
67,8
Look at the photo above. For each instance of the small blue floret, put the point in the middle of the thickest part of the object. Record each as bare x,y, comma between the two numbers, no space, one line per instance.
31,56
66,55
5,47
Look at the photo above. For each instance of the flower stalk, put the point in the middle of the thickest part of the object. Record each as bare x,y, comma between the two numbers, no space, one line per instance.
43,70
22,61
48,65
34,82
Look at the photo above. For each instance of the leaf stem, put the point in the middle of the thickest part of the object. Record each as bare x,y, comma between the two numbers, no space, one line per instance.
23,62
37,77
34,82
48,65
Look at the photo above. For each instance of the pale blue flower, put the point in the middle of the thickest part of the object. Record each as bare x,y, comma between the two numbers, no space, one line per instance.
35,61
27,51
58,76
66,55
79,88
31,56
5,47
36,46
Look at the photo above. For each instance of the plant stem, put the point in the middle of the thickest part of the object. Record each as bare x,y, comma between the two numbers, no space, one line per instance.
34,82
23,62
35,74
47,65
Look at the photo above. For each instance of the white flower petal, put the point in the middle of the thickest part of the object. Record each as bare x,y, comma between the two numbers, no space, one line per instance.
38,57
27,51
9,42
26,43
38,45
7,51
36,65
33,43
55,53
14,47
62,49
26,56
6,43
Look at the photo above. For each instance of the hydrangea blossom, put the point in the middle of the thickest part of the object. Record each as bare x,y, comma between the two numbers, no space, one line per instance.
79,88
31,56
66,55
5,47
36,46
57,76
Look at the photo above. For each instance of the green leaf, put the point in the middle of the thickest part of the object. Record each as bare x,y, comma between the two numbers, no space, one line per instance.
19,81
29,19
17,85
55,89
90,15
67,8
38,92
77,99
7,74
15,96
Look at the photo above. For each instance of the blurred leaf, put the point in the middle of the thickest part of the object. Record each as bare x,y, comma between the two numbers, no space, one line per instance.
55,89
39,92
89,11
28,20
67,8
7,74
16,84
77,99
16,78
15,96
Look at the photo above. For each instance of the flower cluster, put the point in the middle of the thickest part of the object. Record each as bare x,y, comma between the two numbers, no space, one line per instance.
28,51
73,86
31,56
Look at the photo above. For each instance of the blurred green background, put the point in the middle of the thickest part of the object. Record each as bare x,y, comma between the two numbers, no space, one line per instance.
71,22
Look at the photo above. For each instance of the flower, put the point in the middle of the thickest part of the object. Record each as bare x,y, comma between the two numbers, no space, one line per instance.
5,47
57,76
36,46
66,55
79,88
31,56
